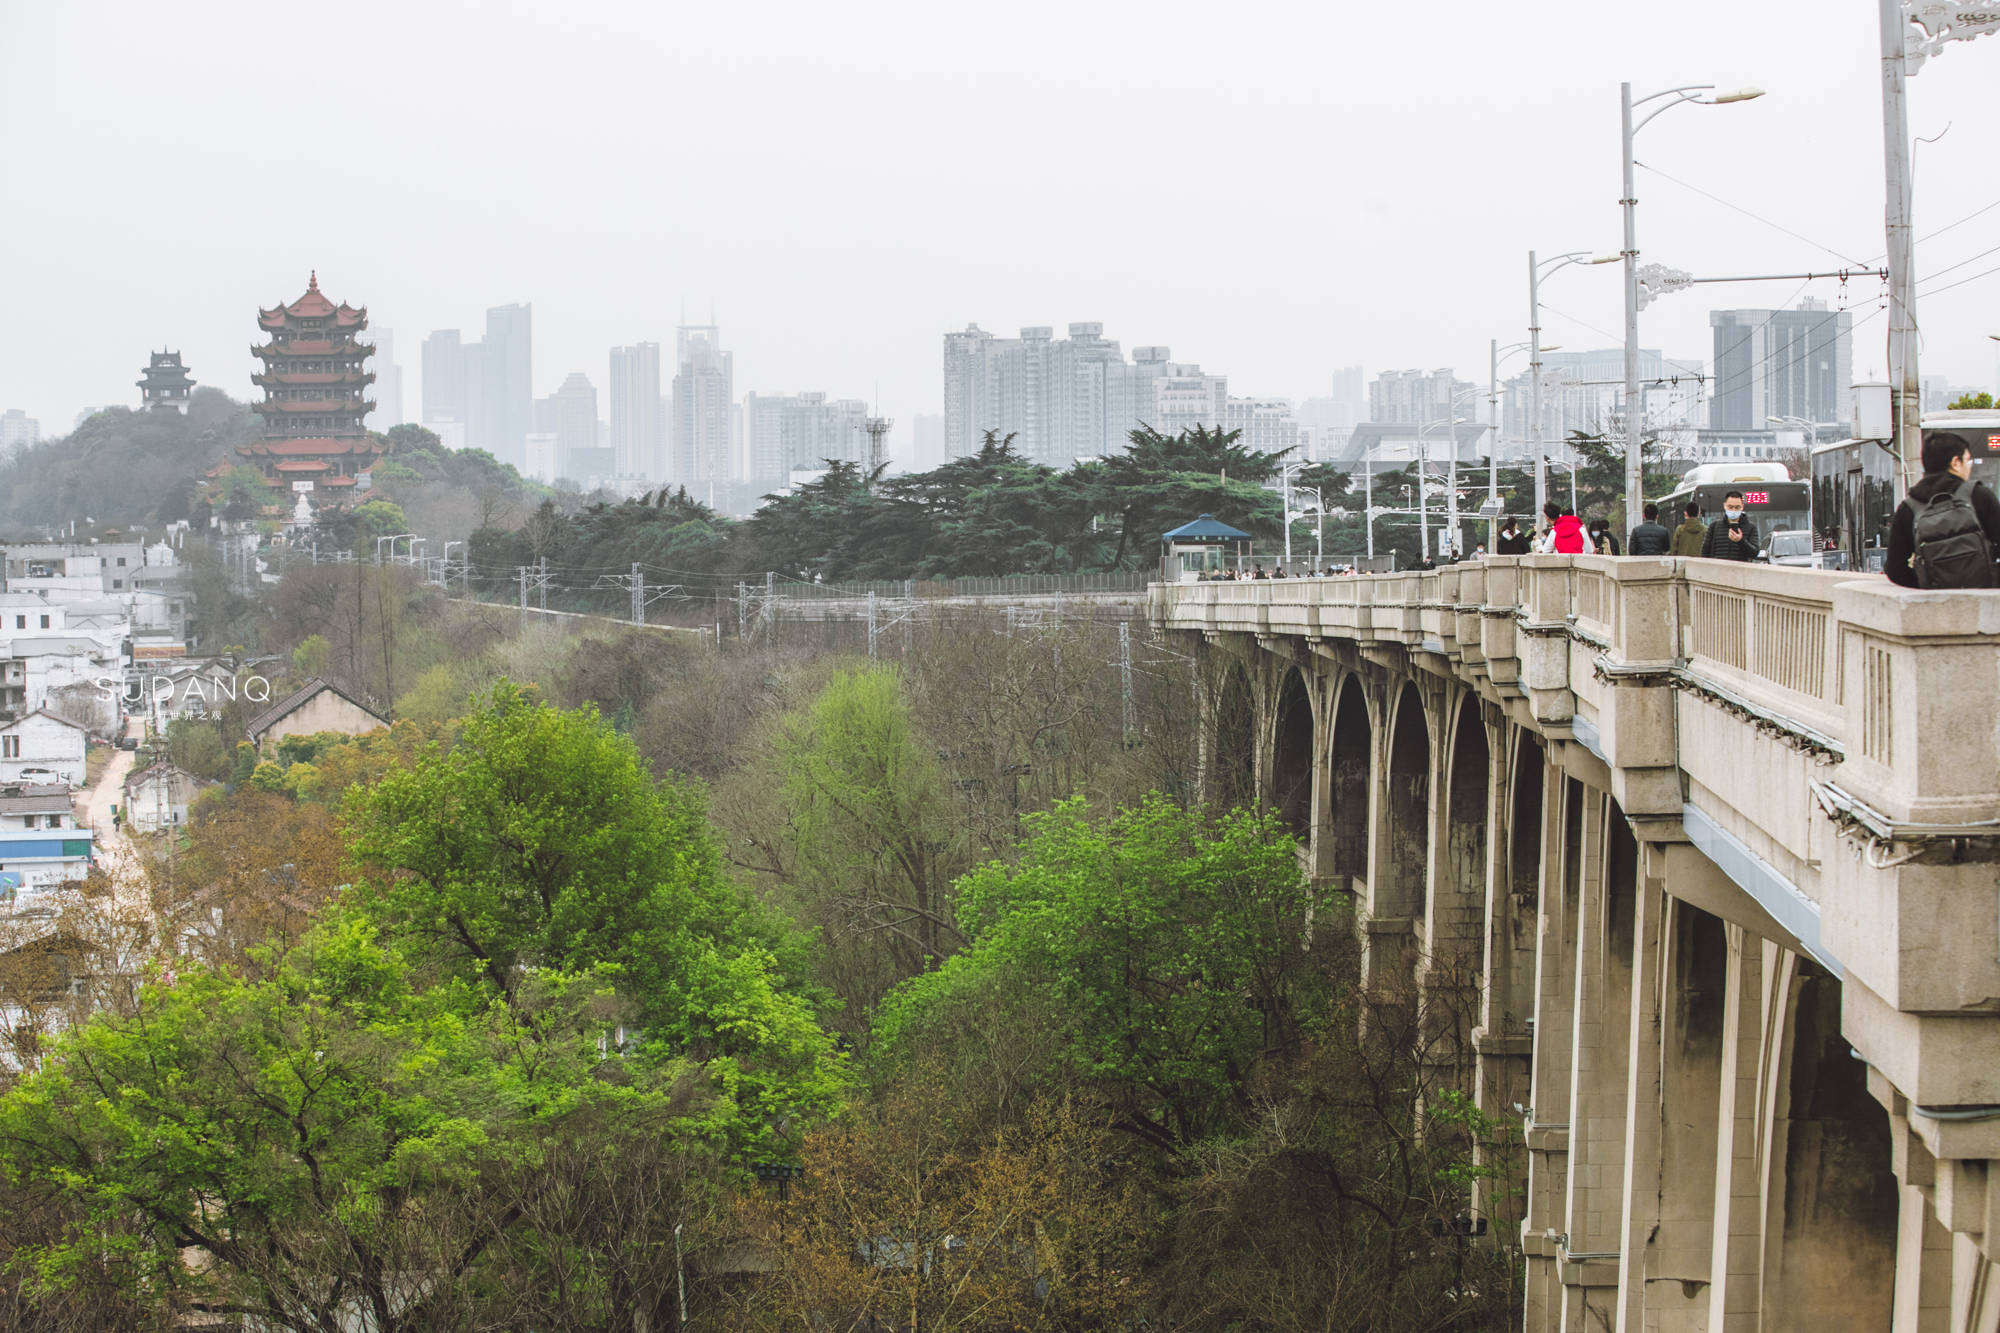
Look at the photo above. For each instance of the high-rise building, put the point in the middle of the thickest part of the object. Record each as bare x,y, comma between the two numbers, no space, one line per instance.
784,433
18,430
1183,398
703,395
1062,399
1349,406
638,436
569,414
443,370
506,369
1780,363
1415,397
1585,390
927,442
388,381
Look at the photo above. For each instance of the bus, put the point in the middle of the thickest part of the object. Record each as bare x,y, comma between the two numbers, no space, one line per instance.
1854,486
1774,502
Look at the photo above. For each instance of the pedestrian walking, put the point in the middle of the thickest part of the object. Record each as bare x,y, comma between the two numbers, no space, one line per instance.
1946,529
1690,535
1650,537
1734,535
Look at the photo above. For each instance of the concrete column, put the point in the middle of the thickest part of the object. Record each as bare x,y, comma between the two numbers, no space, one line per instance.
1735,1278
1501,1042
1554,1042
1594,1209
1645,1092
1671,1181
1320,845
1923,1266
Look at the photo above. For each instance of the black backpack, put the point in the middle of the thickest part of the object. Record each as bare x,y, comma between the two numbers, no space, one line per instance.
1951,550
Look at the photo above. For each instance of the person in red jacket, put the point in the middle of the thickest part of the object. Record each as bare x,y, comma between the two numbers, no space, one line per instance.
1567,537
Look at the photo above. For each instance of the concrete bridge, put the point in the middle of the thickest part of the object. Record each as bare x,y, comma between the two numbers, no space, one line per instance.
1718,848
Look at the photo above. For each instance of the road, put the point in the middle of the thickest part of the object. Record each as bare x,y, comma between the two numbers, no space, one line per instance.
115,852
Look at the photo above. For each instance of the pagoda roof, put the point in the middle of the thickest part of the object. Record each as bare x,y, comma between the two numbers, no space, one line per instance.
336,481
314,447
313,347
311,405
305,377
301,465
314,305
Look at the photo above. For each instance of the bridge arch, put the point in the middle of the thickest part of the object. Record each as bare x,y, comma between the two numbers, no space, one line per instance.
1350,765
1232,739
1292,754
1402,865
1458,919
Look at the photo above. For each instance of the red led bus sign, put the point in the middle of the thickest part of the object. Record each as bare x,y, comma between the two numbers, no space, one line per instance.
1993,442
1756,497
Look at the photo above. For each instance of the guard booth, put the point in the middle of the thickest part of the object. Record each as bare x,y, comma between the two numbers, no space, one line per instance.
1206,546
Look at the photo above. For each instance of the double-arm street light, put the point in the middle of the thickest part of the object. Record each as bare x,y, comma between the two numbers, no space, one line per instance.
1635,424
1491,509
1451,425
1535,349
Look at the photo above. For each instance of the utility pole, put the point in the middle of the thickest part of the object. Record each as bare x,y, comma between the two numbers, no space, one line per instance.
766,612
521,573
1635,416
742,609
1127,712
1492,505
1905,387
542,581
638,595
871,625
1535,394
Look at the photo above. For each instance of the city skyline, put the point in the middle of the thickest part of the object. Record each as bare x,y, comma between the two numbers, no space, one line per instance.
1347,265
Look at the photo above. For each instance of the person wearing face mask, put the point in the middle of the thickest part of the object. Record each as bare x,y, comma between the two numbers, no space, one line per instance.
1733,536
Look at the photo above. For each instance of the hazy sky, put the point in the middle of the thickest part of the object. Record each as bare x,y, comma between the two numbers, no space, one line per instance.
1272,190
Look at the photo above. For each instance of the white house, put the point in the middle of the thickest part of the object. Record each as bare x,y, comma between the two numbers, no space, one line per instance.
41,846
158,798
42,747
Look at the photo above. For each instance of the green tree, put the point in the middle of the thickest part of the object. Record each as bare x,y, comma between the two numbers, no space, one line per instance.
1162,950
1972,402
862,840
540,842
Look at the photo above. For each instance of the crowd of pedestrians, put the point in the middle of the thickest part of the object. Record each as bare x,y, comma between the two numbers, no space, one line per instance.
1945,532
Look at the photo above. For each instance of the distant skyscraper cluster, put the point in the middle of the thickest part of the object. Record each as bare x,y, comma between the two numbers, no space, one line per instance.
479,395
1078,397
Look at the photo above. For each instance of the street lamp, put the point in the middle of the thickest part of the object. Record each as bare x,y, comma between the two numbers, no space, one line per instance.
1553,264
1491,509
1812,444
1423,476
1634,418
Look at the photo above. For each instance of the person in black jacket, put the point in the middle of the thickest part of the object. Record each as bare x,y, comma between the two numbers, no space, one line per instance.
1733,536
1601,538
1650,537
1511,541
1947,462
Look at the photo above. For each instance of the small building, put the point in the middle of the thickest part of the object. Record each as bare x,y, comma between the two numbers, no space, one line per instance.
157,798
1201,547
315,707
41,846
42,747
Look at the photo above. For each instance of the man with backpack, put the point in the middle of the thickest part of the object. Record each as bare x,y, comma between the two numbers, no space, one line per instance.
1948,526
1733,536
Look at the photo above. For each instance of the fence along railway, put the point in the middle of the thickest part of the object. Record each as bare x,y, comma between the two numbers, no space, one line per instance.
1718,845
